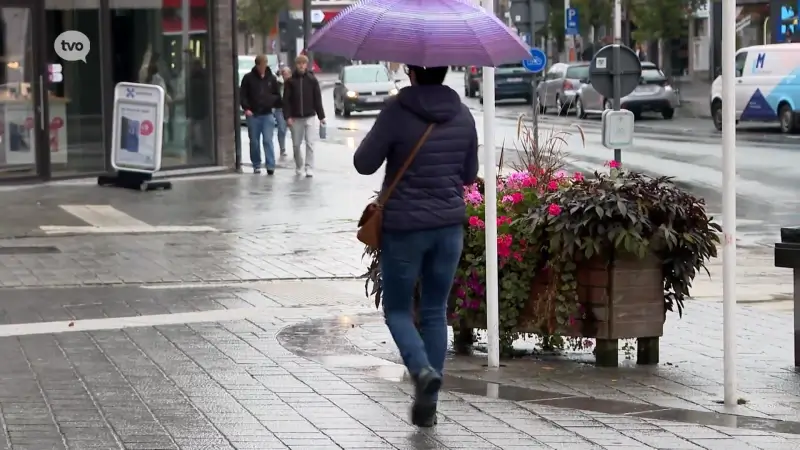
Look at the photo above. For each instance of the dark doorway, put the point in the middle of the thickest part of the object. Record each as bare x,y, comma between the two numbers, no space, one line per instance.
123,47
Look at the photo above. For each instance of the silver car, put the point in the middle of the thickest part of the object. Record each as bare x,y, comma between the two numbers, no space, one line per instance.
654,94
560,85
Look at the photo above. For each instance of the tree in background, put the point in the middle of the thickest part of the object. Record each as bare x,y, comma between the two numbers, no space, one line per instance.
593,13
260,17
662,20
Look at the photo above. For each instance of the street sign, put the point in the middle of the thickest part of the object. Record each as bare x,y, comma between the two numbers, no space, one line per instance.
617,129
572,21
317,16
537,62
138,126
604,68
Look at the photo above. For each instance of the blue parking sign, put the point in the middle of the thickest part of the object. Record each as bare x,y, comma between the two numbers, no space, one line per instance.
571,21
537,62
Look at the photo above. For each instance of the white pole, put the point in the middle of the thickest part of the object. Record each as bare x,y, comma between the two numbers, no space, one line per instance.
490,193
617,21
729,199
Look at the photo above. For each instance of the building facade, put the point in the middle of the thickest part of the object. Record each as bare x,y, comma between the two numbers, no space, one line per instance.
757,22
56,115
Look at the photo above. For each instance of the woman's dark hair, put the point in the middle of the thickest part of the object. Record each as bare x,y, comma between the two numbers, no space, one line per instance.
152,70
428,75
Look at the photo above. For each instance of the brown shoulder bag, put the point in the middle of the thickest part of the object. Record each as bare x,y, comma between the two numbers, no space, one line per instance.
371,223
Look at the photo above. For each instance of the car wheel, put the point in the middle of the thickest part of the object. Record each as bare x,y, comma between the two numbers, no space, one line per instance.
716,114
607,104
787,117
336,111
579,112
346,112
668,114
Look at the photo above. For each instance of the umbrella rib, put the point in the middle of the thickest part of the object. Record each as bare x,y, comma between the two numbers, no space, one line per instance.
478,37
372,26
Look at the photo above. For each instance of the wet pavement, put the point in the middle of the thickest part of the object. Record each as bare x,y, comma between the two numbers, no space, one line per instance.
221,371
174,320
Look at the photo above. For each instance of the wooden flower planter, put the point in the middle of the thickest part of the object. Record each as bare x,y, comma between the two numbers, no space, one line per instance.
625,296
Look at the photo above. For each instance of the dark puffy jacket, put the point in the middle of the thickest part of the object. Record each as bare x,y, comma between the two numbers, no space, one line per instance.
430,194
258,94
302,96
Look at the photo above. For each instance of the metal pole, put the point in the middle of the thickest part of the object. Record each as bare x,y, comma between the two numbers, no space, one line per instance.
490,193
237,136
617,63
307,27
568,40
535,105
729,200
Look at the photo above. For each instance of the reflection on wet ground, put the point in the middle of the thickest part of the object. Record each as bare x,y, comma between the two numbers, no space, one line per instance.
326,341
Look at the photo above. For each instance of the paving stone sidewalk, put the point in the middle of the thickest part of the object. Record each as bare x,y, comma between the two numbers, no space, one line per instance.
690,375
234,385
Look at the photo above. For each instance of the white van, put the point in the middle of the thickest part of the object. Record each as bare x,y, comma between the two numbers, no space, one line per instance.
767,87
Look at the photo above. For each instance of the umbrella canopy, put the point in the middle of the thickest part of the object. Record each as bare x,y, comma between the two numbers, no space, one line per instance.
425,33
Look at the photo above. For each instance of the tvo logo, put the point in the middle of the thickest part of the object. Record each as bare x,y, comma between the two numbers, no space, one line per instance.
72,45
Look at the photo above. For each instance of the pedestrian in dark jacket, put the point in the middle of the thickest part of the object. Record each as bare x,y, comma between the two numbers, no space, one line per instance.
423,219
259,94
302,105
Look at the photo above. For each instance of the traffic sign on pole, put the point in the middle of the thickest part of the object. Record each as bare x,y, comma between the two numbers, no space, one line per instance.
571,26
537,62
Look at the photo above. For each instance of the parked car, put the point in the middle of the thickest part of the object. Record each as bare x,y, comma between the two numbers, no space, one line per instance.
654,94
559,86
472,81
511,81
364,87
245,64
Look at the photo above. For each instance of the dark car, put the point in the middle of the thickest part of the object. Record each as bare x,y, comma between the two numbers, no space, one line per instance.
512,81
472,81
364,87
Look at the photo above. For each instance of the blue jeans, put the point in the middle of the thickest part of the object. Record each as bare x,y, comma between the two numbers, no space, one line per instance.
431,256
261,128
280,123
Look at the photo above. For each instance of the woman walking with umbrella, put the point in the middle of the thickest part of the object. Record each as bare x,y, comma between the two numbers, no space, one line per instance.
423,230
427,139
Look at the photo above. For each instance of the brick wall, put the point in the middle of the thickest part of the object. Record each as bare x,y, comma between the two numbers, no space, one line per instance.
225,110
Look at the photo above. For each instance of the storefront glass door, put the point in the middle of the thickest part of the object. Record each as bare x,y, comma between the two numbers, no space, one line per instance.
21,113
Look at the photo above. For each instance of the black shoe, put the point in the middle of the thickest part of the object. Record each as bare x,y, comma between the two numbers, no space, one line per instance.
423,411
270,171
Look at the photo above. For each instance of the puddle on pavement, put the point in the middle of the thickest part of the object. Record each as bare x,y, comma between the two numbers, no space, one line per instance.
324,341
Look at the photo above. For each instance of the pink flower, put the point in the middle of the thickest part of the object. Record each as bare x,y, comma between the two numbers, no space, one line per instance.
474,197
502,220
577,176
552,185
476,222
553,209
514,198
561,174
613,164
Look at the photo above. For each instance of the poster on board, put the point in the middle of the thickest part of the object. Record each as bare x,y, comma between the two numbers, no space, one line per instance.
138,127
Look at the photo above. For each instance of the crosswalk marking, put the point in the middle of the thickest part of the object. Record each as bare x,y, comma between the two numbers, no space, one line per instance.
103,216
105,219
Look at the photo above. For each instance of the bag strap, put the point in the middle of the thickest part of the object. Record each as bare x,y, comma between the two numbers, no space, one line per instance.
385,194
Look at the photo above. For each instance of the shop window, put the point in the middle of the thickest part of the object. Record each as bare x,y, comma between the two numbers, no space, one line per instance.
153,37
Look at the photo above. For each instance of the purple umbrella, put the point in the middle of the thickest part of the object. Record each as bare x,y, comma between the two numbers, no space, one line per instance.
420,32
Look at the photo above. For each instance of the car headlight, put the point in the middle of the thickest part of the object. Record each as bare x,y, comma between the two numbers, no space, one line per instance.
393,92
351,94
